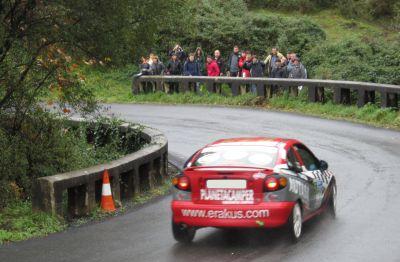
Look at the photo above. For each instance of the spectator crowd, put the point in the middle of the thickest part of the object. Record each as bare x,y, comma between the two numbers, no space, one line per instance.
238,64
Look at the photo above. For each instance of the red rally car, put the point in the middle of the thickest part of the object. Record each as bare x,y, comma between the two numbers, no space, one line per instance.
251,182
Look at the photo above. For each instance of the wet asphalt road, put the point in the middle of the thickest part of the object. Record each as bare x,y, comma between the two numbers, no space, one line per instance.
366,162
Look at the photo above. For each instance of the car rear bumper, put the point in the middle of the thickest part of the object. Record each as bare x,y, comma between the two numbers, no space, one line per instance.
267,214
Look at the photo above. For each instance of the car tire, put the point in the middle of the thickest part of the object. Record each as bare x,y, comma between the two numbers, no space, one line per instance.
295,223
332,200
182,233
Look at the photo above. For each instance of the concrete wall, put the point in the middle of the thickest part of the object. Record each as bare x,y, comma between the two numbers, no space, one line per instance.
79,192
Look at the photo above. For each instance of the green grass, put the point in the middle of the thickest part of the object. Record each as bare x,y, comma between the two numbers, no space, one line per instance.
337,27
369,114
109,84
19,222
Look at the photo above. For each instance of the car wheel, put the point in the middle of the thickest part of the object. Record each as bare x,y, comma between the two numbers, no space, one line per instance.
332,200
183,233
295,224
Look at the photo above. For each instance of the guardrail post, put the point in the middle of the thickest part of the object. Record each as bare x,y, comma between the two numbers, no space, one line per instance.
389,100
115,188
43,196
185,86
362,97
210,86
341,95
164,164
235,89
316,94
159,86
294,90
58,203
312,94
77,205
365,96
270,91
135,86
126,186
136,180
90,200
260,89
152,175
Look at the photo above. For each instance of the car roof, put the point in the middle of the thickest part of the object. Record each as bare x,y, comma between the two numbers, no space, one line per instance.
250,141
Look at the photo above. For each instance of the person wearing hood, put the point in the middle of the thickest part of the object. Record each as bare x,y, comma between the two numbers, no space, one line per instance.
200,59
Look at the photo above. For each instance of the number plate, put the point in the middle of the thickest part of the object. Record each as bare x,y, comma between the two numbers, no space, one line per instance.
227,183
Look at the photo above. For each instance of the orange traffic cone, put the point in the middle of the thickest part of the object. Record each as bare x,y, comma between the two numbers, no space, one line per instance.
107,202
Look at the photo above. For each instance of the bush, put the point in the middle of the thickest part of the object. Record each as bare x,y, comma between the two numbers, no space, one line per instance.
297,34
303,6
223,24
46,145
365,9
370,60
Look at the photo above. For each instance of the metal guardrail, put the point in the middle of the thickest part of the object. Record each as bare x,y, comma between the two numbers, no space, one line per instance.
265,87
129,175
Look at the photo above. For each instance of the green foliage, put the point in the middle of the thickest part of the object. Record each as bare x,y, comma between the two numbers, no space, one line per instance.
46,145
108,83
364,9
223,24
33,58
122,31
368,9
18,222
369,60
294,34
218,24
301,5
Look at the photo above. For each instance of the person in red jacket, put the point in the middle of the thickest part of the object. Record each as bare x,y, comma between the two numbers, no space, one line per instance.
244,72
213,70
212,67
246,56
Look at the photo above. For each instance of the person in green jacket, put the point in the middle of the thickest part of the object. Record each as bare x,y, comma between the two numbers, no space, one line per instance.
270,61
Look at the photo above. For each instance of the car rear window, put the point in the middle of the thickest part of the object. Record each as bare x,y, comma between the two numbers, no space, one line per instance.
252,156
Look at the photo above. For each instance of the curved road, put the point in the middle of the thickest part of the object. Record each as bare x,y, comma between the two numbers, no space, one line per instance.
365,160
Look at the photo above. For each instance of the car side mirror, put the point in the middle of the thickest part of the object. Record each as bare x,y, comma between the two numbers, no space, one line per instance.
323,165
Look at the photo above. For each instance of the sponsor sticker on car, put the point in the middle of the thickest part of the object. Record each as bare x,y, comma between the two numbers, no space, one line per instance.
225,213
228,196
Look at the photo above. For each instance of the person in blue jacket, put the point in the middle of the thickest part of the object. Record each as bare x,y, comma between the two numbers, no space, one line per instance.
192,68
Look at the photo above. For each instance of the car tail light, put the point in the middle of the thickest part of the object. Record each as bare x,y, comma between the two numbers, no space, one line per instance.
275,183
282,182
181,182
271,184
